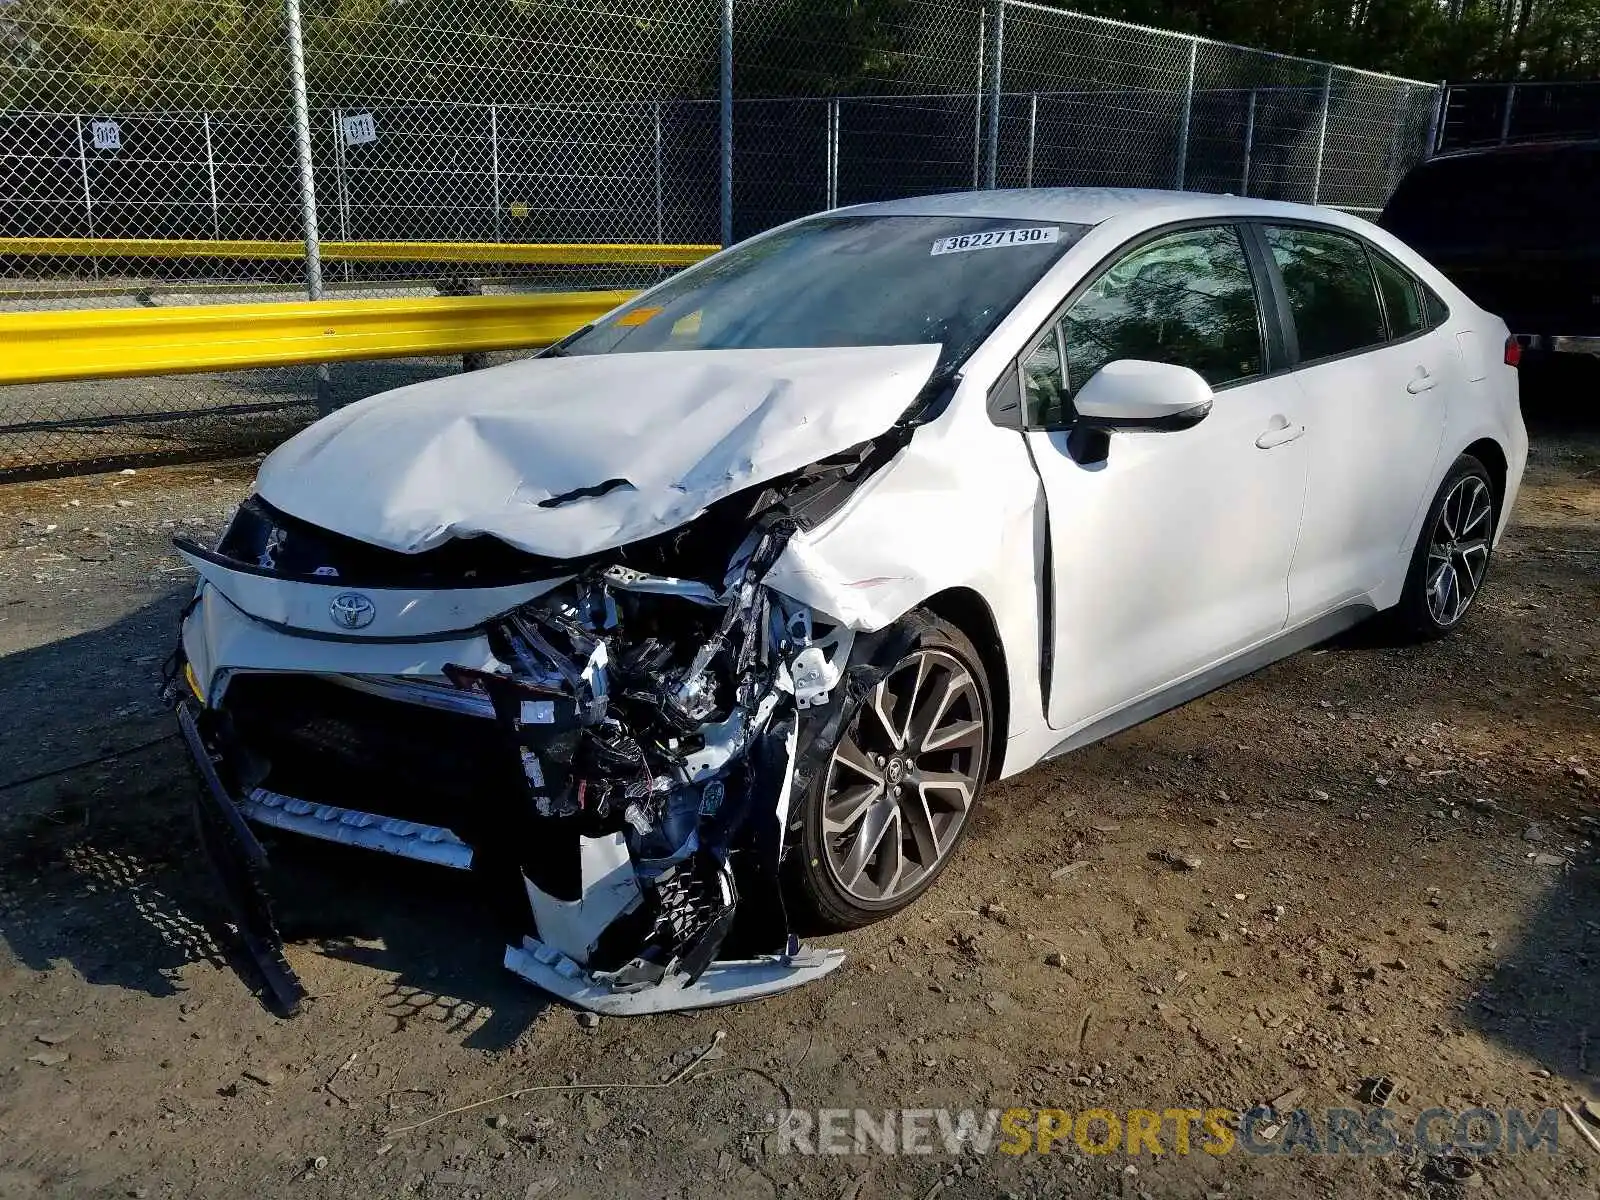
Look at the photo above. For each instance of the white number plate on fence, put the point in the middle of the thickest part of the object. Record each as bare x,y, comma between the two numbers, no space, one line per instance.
359,129
107,135
1037,235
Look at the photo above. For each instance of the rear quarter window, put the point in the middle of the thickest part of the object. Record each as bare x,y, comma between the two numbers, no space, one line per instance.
1402,297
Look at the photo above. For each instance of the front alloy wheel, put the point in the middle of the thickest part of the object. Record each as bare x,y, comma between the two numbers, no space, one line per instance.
901,781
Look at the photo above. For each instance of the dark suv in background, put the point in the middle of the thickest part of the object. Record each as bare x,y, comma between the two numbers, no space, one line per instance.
1518,229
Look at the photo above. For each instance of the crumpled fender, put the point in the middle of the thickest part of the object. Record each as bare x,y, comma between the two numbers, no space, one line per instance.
955,508
959,507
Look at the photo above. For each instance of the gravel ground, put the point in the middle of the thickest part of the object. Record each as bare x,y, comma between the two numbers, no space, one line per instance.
1396,876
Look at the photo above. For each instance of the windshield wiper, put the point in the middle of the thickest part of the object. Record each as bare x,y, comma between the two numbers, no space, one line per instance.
559,349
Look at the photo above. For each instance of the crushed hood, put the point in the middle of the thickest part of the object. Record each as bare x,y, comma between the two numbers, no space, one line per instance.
565,457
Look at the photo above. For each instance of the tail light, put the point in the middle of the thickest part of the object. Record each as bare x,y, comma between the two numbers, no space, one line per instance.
1513,352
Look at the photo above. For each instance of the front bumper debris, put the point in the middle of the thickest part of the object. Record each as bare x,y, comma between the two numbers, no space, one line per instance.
237,861
351,827
615,760
727,981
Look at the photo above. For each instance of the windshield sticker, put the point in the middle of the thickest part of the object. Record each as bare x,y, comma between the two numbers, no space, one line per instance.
637,316
1037,235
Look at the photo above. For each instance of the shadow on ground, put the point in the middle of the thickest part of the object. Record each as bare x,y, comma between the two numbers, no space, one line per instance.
1543,998
100,869
439,933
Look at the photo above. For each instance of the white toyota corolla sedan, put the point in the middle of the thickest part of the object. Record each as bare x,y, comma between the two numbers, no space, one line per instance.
746,590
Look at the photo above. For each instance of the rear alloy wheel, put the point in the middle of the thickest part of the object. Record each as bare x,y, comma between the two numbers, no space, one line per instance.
901,781
1452,555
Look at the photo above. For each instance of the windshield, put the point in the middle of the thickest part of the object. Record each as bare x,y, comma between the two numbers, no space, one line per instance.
845,281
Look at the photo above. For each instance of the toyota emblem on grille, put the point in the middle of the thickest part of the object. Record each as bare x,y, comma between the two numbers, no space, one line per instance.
352,610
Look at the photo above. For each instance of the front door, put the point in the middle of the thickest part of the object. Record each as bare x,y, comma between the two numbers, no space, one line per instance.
1171,552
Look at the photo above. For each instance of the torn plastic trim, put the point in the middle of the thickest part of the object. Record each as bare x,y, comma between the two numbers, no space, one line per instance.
422,692
609,888
725,981
237,859
352,827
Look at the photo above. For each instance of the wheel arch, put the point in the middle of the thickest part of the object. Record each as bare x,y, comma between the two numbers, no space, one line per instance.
969,612
1493,457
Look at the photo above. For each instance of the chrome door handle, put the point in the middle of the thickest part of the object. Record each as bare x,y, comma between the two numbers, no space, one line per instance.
1420,383
1277,435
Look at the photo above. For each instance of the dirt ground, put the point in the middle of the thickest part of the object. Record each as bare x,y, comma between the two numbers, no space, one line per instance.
1397,876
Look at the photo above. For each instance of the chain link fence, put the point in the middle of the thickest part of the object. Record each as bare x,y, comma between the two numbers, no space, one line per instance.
158,155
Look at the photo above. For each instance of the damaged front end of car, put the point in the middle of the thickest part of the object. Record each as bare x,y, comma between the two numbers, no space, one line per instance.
617,754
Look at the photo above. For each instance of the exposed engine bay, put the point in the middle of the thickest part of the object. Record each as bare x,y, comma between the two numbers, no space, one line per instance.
623,748
655,723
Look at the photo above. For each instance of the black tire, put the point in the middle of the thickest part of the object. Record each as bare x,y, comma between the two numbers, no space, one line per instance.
923,797
1418,615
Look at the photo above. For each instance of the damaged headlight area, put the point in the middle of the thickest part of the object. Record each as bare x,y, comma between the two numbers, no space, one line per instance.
634,782
654,722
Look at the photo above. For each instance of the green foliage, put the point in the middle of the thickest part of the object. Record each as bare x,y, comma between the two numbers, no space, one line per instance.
1457,40
143,54
129,54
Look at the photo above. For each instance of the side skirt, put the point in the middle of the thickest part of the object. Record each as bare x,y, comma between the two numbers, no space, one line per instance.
1208,680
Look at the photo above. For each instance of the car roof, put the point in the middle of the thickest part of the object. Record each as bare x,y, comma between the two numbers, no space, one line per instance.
1092,205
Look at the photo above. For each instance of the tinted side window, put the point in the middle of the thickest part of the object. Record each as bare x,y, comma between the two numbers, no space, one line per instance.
1402,297
1043,384
1438,310
1186,298
1331,296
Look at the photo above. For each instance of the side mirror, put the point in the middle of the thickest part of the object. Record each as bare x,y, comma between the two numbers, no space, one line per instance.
1134,394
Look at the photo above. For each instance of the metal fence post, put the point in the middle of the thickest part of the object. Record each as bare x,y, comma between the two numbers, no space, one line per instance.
1322,135
1033,131
1441,105
827,154
830,152
660,211
726,130
88,200
991,167
833,195
1505,117
494,167
339,200
308,186
83,174
1249,143
977,94
302,149
211,179
1188,112
341,189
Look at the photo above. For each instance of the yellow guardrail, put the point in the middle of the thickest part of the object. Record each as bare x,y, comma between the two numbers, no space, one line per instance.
533,253
108,343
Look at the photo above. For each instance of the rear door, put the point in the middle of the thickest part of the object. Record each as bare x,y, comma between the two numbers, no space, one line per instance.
1375,370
